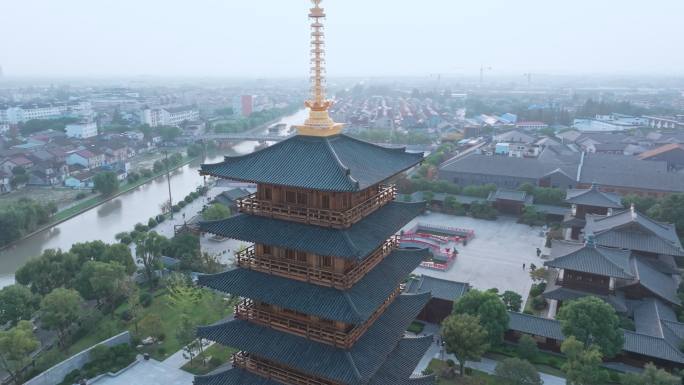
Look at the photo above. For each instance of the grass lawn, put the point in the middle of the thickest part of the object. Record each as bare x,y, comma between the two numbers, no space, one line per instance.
211,308
476,377
545,362
217,354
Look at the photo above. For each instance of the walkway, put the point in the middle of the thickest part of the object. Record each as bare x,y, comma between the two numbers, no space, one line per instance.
486,365
149,373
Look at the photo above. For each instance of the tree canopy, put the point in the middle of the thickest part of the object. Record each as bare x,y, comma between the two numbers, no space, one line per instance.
60,309
583,365
491,310
512,300
148,250
106,182
514,371
17,303
592,322
650,376
215,212
16,345
465,337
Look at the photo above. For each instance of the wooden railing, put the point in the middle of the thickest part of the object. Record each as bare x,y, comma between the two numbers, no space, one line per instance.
271,370
248,259
248,311
317,216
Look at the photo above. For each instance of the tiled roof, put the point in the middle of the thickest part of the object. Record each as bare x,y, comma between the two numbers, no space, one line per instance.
354,366
234,376
638,343
401,363
538,326
632,230
352,306
661,150
561,293
509,195
593,197
631,172
336,163
597,260
355,242
658,283
439,288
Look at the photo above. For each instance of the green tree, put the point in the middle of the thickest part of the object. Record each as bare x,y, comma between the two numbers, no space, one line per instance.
491,310
670,209
102,281
134,305
102,252
527,348
185,332
106,182
59,310
583,365
453,206
465,337
17,303
148,250
215,212
650,376
530,216
53,269
592,322
514,371
16,345
512,300
642,204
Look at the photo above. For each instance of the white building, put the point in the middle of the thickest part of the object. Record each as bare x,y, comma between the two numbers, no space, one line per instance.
4,127
20,114
169,116
81,130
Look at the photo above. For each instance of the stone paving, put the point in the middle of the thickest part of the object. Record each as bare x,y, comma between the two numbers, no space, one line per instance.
494,258
148,373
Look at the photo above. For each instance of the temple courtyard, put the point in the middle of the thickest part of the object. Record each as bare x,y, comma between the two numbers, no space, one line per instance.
495,257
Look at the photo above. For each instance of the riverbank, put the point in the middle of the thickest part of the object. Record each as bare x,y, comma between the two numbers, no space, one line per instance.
94,202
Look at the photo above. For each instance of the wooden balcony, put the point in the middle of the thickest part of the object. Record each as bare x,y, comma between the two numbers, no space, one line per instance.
317,216
271,370
316,331
248,259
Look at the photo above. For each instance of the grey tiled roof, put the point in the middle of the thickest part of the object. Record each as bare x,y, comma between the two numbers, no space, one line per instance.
352,306
560,293
593,197
597,260
638,343
401,363
354,366
355,242
335,163
627,171
634,231
658,283
439,288
550,209
234,376
509,195
539,326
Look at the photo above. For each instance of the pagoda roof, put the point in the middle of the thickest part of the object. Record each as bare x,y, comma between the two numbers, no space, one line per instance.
604,261
352,366
353,306
331,163
632,230
401,363
594,197
234,376
355,242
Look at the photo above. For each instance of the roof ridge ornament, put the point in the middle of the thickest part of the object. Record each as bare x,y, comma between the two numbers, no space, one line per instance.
319,122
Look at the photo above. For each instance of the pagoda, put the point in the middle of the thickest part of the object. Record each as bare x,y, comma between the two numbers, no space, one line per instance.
320,298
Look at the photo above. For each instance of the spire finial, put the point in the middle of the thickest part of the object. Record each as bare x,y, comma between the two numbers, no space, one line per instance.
319,122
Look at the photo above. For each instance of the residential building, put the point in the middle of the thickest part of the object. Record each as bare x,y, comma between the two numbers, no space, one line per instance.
666,122
5,182
86,158
243,105
16,161
81,130
672,153
80,180
531,125
169,116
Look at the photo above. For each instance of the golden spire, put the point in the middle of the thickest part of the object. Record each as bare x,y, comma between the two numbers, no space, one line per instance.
319,122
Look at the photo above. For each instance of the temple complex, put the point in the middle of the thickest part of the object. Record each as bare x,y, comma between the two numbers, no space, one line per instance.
320,299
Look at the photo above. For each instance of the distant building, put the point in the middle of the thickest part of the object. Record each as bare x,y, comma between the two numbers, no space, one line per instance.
243,105
531,125
81,130
24,113
83,179
672,153
169,116
607,123
86,158
667,122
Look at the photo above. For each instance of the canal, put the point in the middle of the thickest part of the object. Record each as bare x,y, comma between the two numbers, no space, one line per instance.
121,213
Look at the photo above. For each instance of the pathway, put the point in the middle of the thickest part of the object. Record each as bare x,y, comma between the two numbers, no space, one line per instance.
486,365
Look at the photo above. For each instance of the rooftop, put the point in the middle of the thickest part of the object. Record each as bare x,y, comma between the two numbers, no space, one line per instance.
594,197
331,163
439,288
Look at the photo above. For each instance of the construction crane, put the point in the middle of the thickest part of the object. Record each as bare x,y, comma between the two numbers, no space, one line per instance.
483,68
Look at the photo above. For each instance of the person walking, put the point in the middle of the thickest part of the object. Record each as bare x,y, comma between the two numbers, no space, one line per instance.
538,252
523,266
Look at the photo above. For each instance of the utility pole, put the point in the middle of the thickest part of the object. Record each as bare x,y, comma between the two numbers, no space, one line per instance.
168,180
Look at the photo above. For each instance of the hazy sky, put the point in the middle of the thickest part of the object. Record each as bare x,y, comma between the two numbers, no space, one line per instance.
269,38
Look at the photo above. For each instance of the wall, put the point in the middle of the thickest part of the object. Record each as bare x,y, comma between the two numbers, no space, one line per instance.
56,374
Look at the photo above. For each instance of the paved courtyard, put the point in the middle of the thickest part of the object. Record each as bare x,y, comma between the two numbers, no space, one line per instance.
494,258
148,373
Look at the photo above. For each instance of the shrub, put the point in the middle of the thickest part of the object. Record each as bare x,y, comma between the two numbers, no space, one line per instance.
416,327
182,204
538,303
215,361
145,299
126,315
188,199
151,223
81,195
537,289
124,238
175,208
527,348
160,218
146,173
